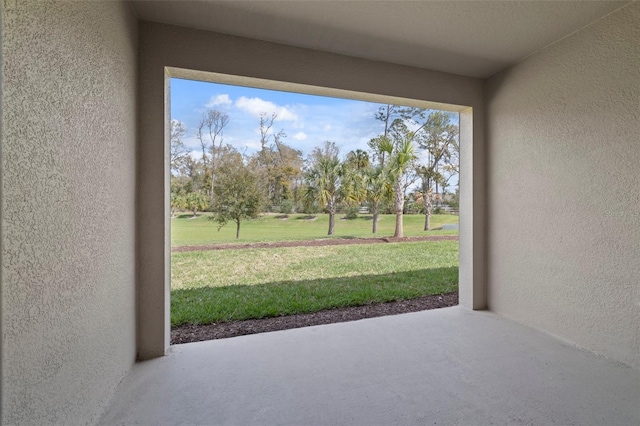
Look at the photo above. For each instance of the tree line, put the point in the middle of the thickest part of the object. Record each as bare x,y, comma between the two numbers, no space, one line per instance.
408,167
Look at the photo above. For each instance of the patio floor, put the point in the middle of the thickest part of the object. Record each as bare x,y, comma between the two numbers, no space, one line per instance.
448,366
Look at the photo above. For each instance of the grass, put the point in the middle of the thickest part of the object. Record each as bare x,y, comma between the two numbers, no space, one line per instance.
186,231
227,285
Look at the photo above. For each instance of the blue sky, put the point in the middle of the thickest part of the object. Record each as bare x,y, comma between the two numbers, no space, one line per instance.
307,120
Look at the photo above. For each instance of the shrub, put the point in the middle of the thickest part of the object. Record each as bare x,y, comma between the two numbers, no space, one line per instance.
351,212
286,207
310,207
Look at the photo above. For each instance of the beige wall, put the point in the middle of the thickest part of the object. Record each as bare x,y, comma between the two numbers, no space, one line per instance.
68,199
178,48
564,188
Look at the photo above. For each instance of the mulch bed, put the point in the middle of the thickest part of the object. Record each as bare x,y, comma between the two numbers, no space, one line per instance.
316,243
197,333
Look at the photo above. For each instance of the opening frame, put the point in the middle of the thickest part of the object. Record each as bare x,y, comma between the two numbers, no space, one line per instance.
167,51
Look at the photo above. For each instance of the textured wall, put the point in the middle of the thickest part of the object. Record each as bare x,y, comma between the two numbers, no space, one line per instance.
564,188
177,47
68,208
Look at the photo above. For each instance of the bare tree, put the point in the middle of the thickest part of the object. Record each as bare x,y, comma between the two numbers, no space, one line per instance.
266,123
178,149
440,140
210,134
280,164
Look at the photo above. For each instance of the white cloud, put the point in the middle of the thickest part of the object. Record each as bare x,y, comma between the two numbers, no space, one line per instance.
327,127
191,142
257,106
253,145
413,126
256,131
300,136
218,100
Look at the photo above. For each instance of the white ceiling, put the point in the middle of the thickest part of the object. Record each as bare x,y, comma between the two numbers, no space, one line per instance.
474,38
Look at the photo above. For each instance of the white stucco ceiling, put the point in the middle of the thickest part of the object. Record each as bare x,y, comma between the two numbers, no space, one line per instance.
474,38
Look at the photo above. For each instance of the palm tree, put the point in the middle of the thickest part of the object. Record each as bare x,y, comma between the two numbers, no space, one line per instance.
427,196
324,185
378,190
195,201
359,159
399,162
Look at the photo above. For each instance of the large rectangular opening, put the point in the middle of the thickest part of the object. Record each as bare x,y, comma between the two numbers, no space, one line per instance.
365,168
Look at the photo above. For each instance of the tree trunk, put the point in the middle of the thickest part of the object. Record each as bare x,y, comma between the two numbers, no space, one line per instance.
237,229
375,219
428,206
427,221
331,205
399,202
331,222
399,226
212,187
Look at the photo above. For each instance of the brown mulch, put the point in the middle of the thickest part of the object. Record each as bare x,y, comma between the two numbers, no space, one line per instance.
315,243
197,333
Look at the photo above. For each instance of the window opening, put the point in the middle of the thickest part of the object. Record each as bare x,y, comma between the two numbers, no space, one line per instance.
286,203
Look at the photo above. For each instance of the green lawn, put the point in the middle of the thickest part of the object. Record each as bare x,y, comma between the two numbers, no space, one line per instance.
186,231
235,284
226,285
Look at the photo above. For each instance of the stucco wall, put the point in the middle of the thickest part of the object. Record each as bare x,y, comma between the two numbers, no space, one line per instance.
68,208
564,188
180,48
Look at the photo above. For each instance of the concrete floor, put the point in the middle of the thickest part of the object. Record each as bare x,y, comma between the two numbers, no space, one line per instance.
443,367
